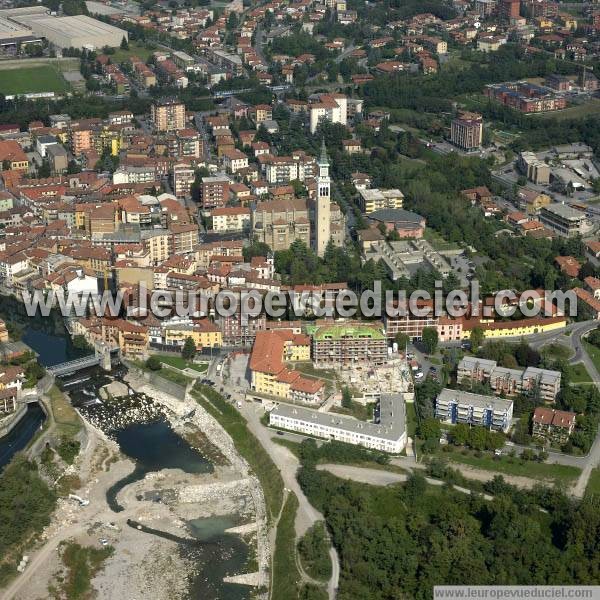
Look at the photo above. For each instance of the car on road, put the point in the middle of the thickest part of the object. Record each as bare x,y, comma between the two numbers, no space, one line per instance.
419,375
103,541
280,433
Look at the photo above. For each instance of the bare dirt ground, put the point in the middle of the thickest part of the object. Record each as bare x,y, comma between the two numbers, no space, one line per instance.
144,565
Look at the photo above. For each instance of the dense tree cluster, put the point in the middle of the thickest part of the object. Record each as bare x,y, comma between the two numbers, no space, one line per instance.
26,503
399,542
432,93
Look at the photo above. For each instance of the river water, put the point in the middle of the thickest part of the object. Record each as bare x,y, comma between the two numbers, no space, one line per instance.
152,446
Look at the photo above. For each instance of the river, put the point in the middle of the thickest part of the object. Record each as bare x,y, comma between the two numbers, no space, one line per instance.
152,445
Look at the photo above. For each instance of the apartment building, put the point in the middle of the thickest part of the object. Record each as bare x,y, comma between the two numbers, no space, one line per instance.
231,218
271,377
327,107
408,323
234,160
346,345
525,96
386,435
280,222
183,177
280,170
536,170
466,131
543,383
238,330
214,191
553,426
203,332
455,406
371,200
168,115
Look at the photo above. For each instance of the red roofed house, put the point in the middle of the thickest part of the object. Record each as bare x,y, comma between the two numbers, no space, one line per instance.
568,265
554,426
593,285
12,156
270,375
592,252
588,301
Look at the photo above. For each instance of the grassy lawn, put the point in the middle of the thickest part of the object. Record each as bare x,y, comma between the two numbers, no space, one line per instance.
438,242
593,352
285,572
168,374
68,423
135,49
411,419
181,363
358,411
173,376
579,373
33,79
593,486
246,444
558,473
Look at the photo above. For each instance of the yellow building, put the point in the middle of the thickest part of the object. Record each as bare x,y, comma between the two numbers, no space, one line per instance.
204,333
519,328
271,377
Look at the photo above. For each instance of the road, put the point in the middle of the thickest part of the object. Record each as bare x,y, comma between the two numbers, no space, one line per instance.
381,477
288,465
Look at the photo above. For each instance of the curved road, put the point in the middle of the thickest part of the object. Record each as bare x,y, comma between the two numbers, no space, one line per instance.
288,465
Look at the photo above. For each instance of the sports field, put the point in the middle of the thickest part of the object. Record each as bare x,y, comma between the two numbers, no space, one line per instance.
31,79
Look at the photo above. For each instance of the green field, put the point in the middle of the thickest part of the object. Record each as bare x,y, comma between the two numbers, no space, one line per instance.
593,352
32,79
579,373
180,363
593,486
135,49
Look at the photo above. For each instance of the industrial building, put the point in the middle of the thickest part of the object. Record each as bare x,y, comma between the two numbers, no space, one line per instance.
79,31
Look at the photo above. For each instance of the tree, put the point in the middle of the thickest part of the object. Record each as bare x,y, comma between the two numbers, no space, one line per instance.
415,486
124,44
459,435
430,431
402,340
476,338
153,363
189,349
346,398
430,339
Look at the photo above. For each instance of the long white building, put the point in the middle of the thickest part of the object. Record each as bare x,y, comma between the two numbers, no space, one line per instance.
388,435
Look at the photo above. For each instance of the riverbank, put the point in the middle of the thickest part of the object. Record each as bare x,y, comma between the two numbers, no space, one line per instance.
186,413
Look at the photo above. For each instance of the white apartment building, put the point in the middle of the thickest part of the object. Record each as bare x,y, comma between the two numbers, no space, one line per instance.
231,218
544,383
283,169
455,406
328,107
389,435
131,174
235,160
